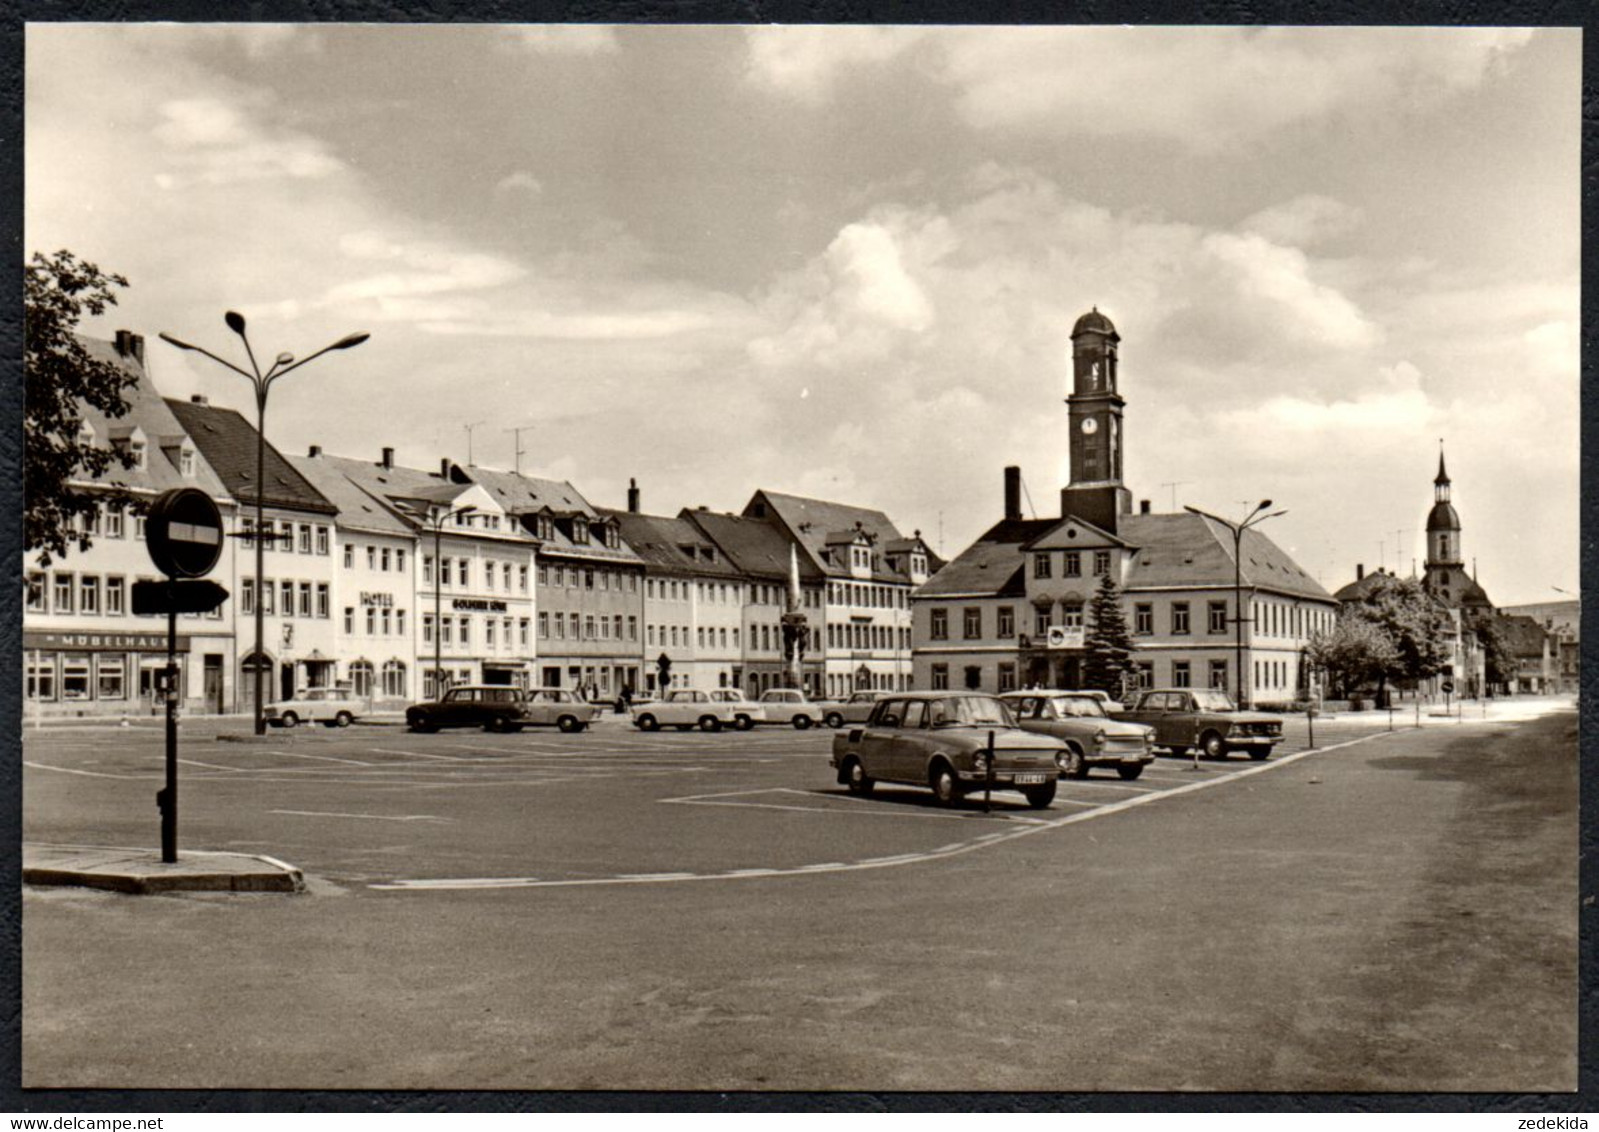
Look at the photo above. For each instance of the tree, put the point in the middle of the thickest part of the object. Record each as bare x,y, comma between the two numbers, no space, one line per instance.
60,378
1355,651
1416,625
1108,645
1499,666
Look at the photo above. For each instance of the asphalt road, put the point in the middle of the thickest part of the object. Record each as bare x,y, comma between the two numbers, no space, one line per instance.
615,910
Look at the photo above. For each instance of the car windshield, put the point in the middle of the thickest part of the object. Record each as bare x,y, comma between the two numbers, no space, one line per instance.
969,711
1213,700
1078,707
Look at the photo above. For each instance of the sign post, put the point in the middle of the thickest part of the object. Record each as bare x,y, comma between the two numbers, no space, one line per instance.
183,534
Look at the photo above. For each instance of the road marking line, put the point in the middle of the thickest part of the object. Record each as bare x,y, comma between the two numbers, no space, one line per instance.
955,849
213,766
414,754
375,817
90,773
324,758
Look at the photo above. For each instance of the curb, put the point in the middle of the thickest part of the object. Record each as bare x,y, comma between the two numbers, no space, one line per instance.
146,875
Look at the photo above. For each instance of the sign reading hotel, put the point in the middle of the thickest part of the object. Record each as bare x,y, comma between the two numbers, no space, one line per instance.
384,601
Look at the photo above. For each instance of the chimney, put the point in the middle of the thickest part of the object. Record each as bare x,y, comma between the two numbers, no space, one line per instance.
199,399
632,496
1013,493
1360,570
444,469
388,458
130,345
1143,506
314,451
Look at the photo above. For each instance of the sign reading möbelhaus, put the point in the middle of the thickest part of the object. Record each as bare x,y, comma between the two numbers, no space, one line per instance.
97,642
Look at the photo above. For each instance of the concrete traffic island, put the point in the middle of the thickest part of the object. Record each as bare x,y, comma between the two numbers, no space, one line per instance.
142,872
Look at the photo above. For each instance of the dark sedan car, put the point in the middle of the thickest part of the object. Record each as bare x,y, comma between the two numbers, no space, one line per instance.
493,707
941,740
1207,719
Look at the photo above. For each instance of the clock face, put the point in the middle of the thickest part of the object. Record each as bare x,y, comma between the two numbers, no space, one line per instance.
1090,426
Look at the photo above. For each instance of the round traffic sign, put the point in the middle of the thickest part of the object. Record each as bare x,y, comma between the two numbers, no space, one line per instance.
1449,685
184,533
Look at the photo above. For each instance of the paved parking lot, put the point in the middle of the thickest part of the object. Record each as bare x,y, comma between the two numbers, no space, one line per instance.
386,809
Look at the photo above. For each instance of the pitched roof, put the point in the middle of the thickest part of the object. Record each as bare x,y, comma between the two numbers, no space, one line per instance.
358,508
984,569
396,482
528,495
817,523
1183,549
1523,635
1361,588
660,541
228,442
755,546
149,413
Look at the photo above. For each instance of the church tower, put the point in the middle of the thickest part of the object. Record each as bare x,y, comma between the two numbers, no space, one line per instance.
1094,412
1443,526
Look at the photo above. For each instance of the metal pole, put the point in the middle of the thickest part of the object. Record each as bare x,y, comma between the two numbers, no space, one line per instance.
168,798
988,775
1310,718
260,552
438,622
1238,612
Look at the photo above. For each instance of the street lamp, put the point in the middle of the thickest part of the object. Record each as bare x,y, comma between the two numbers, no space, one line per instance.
1254,518
437,523
284,363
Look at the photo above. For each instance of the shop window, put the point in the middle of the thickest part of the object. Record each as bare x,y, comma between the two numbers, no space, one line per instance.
111,679
394,679
42,679
75,676
361,678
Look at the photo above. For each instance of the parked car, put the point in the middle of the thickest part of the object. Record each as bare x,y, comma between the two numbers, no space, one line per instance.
746,712
941,740
493,707
335,707
1111,706
1092,738
684,708
789,705
556,707
1206,718
854,709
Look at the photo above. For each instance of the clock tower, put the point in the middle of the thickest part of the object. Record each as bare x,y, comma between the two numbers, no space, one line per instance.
1094,412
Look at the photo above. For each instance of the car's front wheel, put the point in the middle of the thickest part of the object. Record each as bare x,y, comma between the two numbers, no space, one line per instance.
648,722
710,723
801,722
856,778
1039,797
744,723
568,723
835,720
288,719
1130,772
946,787
424,724
1213,746
1076,764
343,719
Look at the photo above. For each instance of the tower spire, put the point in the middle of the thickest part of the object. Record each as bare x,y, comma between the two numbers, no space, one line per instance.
1443,476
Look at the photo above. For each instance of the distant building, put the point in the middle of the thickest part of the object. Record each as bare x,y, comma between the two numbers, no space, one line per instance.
1562,620
1011,610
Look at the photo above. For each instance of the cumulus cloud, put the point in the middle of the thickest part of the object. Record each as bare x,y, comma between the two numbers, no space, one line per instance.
1304,221
519,182
213,141
805,62
566,39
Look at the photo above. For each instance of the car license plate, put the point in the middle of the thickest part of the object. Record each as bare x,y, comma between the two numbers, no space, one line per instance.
1030,780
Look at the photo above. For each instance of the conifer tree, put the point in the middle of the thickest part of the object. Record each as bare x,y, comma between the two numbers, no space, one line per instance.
1108,643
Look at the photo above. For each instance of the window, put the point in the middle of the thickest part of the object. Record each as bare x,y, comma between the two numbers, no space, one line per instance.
560,627
63,594
1007,677
1041,621
110,679
1179,619
1074,564
35,593
544,576
287,602
446,627
1072,616
305,599
138,527
394,678
1007,621
574,622
1218,618
488,575
972,623
321,540
114,589
41,679
399,622
349,556
361,678
1144,673
371,558
544,625
488,633
940,677
940,625
137,447
616,624
371,621
1101,562
1143,619
1218,674
521,632
1180,677
427,628
75,676
268,591
1041,564
349,620
384,617
521,579
399,559
322,600
305,538
588,579
113,522
588,627
427,568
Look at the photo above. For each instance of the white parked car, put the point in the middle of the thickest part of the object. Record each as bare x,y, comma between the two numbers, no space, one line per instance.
746,712
684,708
335,707
789,705
855,709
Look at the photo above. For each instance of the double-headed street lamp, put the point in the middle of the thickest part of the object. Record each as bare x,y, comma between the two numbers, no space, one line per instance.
1254,518
437,523
283,364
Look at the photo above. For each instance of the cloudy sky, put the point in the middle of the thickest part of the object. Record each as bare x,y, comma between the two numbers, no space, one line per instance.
846,261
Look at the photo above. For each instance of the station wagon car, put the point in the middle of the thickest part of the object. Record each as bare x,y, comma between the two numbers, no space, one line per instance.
789,705
855,709
556,707
1205,719
493,707
335,707
746,712
1092,738
684,708
941,740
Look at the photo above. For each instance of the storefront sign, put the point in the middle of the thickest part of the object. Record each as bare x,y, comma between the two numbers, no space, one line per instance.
100,642
385,601
478,603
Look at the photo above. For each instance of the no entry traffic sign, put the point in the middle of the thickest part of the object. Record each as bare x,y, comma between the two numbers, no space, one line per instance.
184,533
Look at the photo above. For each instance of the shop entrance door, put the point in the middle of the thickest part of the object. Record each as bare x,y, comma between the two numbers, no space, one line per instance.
213,682
286,682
